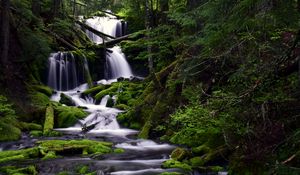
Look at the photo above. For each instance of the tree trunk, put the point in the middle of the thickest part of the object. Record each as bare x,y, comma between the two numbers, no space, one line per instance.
148,27
36,7
56,8
5,31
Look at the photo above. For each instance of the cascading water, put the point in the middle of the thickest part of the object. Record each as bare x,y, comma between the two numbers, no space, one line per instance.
117,65
63,73
141,156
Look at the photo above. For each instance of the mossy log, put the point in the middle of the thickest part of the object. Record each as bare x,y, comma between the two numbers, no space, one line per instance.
49,120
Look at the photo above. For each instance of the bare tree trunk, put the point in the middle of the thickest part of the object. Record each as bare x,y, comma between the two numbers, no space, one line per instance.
5,31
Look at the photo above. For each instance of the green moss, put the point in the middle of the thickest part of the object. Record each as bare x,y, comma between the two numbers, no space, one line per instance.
68,116
112,90
200,150
12,170
49,120
50,155
64,173
121,106
39,100
64,99
170,173
9,132
89,146
83,169
93,91
43,89
35,133
15,155
179,154
30,126
176,164
119,150
196,161
145,130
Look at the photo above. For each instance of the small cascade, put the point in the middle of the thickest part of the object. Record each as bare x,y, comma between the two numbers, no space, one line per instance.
63,71
117,64
104,100
108,25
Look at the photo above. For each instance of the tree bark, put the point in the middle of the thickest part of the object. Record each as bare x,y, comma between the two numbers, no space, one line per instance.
5,31
148,27
56,8
36,7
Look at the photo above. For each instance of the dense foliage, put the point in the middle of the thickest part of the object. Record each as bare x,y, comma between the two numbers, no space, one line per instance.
225,77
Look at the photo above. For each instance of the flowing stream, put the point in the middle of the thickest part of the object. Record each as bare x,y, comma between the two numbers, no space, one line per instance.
140,156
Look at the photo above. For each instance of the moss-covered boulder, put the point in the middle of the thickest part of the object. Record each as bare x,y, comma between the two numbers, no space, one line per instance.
66,116
30,126
112,90
64,99
43,89
94,90
9,132
35,133
179,154
176,164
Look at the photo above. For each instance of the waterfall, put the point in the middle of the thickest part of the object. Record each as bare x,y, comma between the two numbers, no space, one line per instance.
107,25
116,63
63,73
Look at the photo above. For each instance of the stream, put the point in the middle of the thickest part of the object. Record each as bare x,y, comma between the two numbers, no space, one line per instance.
141,157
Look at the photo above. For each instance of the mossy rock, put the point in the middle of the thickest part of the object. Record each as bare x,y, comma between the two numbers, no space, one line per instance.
176,164
64,99
9,132
68,116
200,150
52,134
88,146
83,169
49,120
30,126
15,155
119,150
179,154
40,100
196,161
35,133
12,170
50,155
43,89
112,90
93,91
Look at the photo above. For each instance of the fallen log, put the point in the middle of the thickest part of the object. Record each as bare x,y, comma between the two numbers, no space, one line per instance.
100,34
61,39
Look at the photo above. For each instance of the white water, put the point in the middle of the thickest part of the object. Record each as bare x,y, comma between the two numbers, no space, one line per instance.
117,65
63,72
